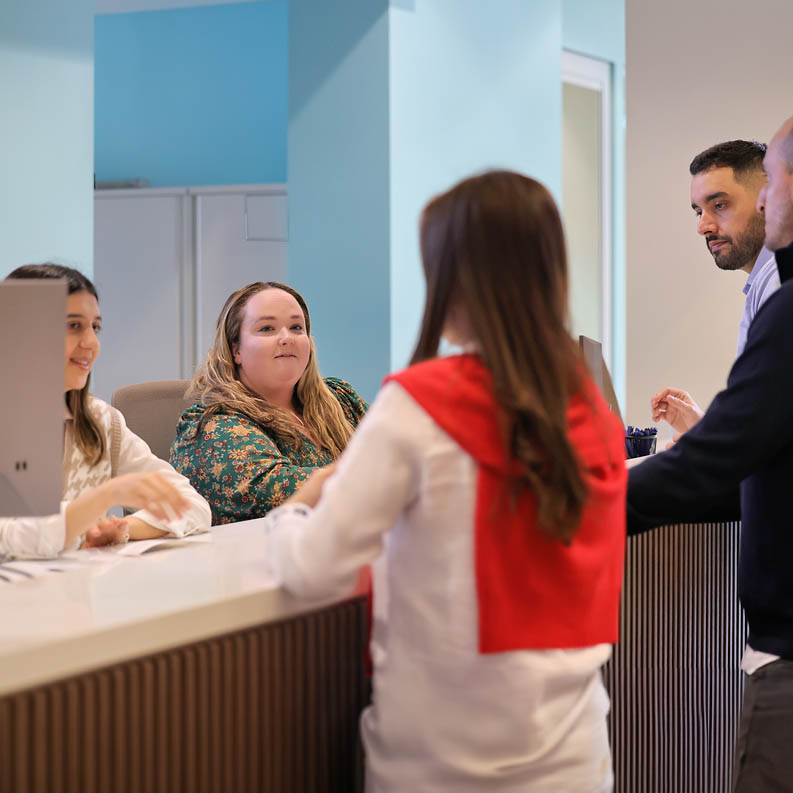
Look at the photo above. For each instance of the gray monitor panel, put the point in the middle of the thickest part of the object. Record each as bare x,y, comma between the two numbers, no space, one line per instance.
32,329
592,352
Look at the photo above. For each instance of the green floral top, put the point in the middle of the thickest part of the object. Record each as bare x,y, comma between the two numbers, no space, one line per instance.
243,470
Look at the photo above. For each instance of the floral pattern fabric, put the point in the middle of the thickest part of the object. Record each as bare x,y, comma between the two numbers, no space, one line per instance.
244,470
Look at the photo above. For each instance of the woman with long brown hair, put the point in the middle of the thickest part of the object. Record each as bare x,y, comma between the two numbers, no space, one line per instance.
263,419
495,481
104,463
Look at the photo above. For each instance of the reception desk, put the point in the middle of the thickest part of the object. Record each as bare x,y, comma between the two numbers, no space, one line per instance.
184,669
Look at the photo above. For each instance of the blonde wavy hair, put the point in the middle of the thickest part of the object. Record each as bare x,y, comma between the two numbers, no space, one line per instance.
218,388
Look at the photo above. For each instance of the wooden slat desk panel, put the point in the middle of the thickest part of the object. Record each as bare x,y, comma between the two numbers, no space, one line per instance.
271,708
674,680
182,670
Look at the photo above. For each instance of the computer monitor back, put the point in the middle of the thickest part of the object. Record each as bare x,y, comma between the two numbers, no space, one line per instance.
32,408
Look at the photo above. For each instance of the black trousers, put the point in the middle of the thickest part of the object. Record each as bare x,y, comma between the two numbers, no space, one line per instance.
764,750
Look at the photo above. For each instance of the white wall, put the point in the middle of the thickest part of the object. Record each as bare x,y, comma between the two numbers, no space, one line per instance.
697,74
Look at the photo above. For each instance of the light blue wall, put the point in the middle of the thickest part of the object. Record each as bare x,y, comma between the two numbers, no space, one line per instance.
470,89
391,102
46,133
193,96
338,178
388,103
598,29
595,27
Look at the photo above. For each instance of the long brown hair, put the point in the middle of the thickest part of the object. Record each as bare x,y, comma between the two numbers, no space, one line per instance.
493,254
218,387
87,435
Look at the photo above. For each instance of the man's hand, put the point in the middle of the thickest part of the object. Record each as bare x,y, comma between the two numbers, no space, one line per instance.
310,491
674,440
677,408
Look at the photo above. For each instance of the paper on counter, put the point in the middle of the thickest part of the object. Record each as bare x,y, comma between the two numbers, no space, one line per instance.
14,570
139,547
18,569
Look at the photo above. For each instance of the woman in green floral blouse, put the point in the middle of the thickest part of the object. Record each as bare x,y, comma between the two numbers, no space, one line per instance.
264,419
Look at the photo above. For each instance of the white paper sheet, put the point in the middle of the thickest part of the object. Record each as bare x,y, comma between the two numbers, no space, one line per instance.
139,547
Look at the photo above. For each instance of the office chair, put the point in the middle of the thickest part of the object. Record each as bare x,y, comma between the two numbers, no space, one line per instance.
152,410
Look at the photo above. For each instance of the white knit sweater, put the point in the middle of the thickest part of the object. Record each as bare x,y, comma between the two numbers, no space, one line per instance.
125,453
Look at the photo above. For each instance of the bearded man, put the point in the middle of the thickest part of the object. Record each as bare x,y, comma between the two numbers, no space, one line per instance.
743,447
726,181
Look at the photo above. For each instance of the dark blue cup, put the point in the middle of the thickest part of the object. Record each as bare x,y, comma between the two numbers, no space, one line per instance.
640,445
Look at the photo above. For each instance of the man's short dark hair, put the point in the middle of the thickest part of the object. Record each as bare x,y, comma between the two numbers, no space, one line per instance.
743,156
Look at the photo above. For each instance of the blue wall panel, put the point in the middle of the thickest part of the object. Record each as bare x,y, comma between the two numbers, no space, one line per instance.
597,29
391,102
471,89
193,96
338,182
46,133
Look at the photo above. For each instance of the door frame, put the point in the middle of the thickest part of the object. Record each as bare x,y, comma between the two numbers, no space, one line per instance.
596,74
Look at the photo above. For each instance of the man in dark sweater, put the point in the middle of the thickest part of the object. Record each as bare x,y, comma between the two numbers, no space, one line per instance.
743,448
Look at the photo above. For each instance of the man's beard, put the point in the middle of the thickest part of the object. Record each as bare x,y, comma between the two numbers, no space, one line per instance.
742,250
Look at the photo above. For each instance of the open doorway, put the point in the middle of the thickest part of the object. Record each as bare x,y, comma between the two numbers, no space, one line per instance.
587,194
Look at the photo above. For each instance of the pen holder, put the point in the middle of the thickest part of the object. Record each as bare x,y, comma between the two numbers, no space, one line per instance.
640,443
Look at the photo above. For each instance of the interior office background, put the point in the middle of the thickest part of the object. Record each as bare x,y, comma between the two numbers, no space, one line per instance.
364,108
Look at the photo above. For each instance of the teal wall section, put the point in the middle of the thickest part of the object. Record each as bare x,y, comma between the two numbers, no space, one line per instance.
470,89
46,133
338,176
597,29
389,104
193,96
382,104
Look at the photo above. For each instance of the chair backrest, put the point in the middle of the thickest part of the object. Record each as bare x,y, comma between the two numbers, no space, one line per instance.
152,410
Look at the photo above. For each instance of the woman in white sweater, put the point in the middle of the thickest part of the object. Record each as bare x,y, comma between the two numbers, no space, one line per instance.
491,486
104,463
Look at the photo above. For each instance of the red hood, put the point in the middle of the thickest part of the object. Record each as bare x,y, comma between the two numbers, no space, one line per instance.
534,592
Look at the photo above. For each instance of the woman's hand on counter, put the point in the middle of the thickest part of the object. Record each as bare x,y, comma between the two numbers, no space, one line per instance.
310,491
147,490
106,531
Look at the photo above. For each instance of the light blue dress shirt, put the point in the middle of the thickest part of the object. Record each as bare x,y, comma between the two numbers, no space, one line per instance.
762,282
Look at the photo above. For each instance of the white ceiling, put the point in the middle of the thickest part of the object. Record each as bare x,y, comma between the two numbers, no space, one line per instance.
125,6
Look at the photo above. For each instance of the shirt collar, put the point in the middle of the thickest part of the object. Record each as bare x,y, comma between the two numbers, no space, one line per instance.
761,259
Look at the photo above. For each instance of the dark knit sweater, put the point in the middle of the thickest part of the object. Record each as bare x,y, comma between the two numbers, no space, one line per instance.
743,444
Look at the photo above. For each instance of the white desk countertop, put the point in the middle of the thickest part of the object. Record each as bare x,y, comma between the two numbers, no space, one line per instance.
120,607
